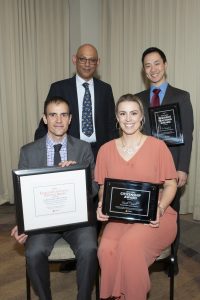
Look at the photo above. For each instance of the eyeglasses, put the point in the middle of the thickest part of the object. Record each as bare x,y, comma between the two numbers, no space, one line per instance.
84,60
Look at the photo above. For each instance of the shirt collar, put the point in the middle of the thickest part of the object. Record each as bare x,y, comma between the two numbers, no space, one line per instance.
80,80
162,87
51,143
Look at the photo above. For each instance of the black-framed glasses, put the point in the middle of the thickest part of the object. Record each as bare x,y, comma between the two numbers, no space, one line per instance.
84,60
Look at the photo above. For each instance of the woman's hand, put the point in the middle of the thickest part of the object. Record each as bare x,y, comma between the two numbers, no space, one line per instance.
100,215
156,223
21,239
167,196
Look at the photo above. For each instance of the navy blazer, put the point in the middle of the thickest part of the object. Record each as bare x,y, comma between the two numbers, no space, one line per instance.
104,107
181,153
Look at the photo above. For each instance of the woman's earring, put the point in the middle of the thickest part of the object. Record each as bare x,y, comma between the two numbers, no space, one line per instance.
117,125
142,123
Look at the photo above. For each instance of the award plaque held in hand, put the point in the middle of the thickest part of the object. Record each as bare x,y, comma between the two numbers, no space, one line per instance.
165,122
130,201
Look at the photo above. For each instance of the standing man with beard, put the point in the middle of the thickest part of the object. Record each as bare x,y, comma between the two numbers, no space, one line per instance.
155,65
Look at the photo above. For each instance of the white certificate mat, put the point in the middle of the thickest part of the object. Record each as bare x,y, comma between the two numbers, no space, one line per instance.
51,197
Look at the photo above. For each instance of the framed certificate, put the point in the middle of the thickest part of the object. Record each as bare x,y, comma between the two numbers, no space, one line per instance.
165,122
52,198
130,201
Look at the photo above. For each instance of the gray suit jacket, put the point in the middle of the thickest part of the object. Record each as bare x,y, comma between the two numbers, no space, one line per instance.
34,155
181,154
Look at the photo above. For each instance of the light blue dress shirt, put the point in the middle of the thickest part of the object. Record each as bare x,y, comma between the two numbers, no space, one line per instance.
162,88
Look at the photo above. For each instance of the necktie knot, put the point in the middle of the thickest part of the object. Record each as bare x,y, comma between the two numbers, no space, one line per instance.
155,100
86,85
156,91
57,147
57,157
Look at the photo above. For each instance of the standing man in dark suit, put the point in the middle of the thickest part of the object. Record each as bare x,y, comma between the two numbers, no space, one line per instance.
154,65
83,241
86,61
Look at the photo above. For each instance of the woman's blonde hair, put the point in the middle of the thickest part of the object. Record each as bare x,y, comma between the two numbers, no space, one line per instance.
131,98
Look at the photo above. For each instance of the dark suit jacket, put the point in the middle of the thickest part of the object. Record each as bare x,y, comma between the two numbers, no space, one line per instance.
181,154
105,122
34,155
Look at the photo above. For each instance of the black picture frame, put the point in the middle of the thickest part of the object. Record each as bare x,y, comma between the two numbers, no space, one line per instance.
130,201
52,199
166,125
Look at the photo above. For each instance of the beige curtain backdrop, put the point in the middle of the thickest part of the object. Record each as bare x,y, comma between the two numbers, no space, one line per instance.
34,51
131,26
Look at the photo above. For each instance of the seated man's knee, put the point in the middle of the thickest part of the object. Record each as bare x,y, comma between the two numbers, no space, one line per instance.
87,252
36,255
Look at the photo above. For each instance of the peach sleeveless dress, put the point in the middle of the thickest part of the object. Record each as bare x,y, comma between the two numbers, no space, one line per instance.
127,250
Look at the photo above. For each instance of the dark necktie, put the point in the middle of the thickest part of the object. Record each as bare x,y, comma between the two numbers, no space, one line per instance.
87,124
57,158
155,100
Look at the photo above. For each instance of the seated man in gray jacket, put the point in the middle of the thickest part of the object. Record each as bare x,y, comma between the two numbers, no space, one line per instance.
83,241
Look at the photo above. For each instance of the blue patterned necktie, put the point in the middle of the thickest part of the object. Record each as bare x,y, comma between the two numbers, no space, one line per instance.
87,124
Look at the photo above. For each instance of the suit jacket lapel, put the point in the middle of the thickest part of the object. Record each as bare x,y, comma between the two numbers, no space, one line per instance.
70,149
168,98
147,97
97,100
41,153
74,104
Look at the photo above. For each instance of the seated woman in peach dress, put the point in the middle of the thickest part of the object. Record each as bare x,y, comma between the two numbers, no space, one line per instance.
127,250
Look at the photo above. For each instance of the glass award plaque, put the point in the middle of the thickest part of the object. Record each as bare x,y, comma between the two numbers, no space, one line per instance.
130,201
165,122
